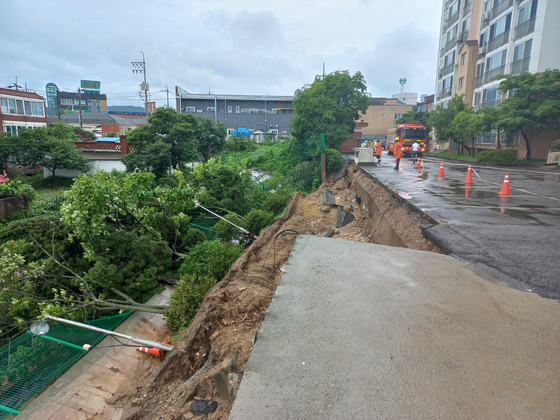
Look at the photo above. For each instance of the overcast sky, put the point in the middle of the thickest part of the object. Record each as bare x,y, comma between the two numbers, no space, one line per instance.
225,46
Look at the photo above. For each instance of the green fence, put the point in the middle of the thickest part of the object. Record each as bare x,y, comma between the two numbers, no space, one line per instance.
28,364
208,231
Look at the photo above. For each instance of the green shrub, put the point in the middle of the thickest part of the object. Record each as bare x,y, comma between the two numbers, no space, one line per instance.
499,157
334,159
276,202
556,144
186,299
256,220
16,187
301,177
226,231
211,258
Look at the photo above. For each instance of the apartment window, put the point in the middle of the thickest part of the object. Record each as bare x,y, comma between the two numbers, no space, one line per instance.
483,39
238,109
440,86
486,6
210,109
497,60
229,108
397,116
461,82
447,82
476,98
463,59
34,108
499,27
527,12
454,8
450,58
522,51
452,32
27,107
443,40
491,95
479,69
12,106
4,105
98,107
467,24
189,109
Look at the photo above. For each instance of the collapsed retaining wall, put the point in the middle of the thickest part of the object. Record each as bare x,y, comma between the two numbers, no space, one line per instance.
393,220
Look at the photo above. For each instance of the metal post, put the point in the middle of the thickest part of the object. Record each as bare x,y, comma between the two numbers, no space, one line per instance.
80,104
167,91
145,84
149,343
56,340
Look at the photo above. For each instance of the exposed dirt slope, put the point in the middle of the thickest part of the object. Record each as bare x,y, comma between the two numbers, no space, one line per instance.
209,360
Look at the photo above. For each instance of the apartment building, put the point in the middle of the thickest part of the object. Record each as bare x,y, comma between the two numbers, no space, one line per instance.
19,108
269,114
480,39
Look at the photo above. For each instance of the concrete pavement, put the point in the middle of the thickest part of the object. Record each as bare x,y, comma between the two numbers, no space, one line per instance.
365,331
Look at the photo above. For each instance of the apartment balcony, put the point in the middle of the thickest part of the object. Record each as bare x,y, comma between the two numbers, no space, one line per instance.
489,75
445,93
500,8
467,9
525,28
492,104
447,69
478,81
450,45
520,66
498,41
453,18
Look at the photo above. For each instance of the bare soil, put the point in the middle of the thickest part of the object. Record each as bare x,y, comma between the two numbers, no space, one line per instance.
208,362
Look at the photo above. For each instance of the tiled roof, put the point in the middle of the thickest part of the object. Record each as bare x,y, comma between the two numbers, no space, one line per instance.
22,93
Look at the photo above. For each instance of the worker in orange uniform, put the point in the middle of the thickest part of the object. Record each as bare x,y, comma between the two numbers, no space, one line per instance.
378,150
398,153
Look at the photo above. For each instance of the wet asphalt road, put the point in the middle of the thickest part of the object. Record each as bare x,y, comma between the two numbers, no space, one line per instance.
516,237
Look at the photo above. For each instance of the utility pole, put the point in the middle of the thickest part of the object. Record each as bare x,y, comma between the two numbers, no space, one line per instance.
140,67
167,91
80,104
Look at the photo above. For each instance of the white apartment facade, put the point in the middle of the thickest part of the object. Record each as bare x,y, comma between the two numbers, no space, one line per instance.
513,36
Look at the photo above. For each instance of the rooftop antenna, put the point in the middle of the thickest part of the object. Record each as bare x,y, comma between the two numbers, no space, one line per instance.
402,82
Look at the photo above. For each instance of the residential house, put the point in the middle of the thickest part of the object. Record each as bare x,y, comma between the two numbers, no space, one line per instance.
19,108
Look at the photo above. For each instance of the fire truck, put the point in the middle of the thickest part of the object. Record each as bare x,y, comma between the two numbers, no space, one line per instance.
408,134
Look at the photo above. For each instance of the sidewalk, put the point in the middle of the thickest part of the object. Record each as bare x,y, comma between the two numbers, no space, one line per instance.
92,387
365,331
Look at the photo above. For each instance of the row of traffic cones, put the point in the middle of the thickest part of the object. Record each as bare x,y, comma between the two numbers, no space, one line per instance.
154,351
505,186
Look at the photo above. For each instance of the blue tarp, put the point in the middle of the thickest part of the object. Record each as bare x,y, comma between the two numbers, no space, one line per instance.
110,139
242,131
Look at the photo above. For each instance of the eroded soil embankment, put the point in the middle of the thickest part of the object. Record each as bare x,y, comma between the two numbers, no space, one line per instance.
209,360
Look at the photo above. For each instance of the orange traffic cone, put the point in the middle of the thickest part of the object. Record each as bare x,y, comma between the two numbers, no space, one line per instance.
469,176
418,166
505,186
152,350
441,172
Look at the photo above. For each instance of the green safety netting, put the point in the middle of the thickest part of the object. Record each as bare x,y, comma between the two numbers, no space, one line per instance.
207,230
28,363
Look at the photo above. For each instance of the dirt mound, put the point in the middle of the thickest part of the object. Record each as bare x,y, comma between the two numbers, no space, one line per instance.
208,362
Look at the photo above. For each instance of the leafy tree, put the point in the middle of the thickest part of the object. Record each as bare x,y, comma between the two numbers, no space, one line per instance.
466,126
128,201
171,140
414,117
211,258
51,147
533,104
330,106
442,120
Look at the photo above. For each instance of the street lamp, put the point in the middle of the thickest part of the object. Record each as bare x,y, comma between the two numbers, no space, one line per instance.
40,328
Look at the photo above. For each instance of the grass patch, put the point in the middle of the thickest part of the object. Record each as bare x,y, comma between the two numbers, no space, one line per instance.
453,155
39,181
